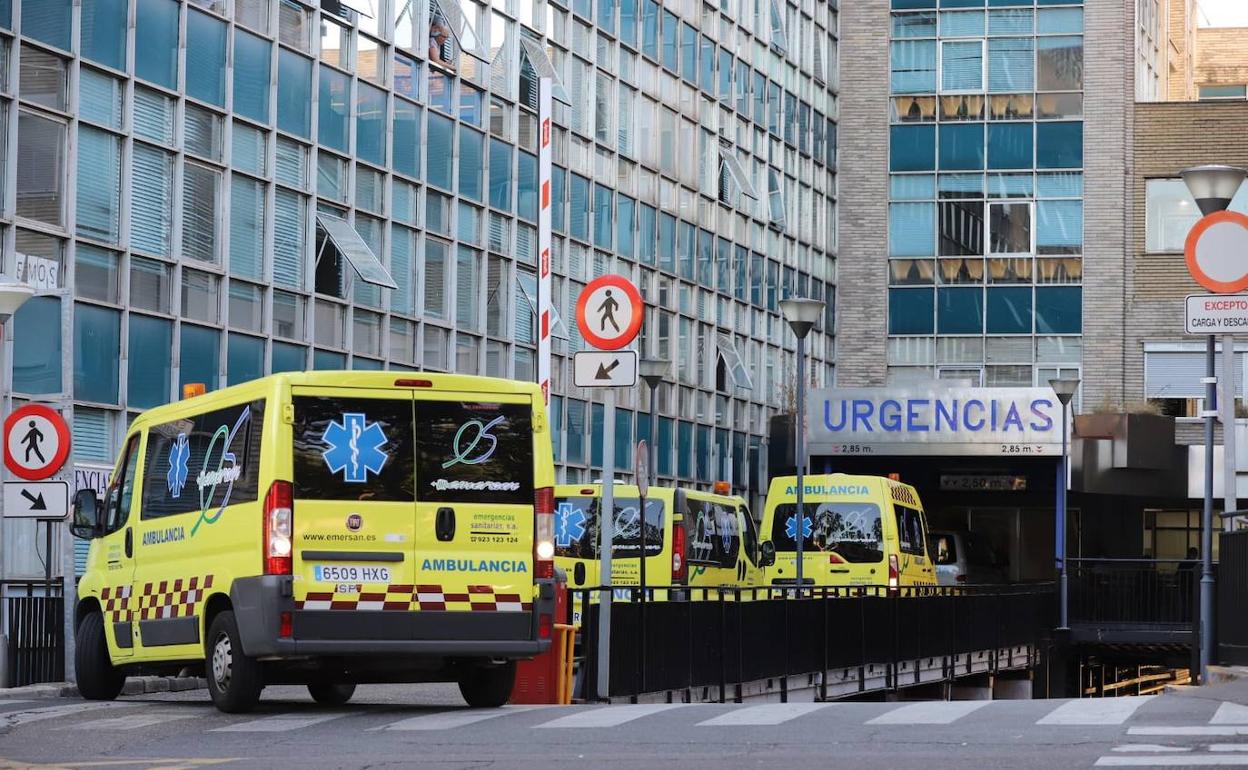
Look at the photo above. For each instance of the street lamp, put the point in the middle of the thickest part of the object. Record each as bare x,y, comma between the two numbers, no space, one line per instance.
13,294
1214,187
1065,388
802,314
654,371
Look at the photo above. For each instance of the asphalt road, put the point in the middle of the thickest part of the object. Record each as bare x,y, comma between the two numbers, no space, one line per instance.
427,726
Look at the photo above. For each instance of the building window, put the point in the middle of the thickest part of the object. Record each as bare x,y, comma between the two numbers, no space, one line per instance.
201,192
37,346
99,184
205,58
149,284
151,199
148,366
1235,92
97,353
294,93
251,76
961,66
103,31
156,30
200,357
1170,213
199,296
40,168
911,311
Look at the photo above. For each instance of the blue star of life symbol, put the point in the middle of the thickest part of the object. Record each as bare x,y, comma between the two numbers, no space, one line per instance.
790,527
354,448
179,454
570,525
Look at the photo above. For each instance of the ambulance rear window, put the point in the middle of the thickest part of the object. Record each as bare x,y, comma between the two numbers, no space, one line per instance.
852,531
578,535
353,449
474,452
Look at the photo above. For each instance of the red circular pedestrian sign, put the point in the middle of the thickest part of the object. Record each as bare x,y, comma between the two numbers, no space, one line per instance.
36,442
609,312
1216,252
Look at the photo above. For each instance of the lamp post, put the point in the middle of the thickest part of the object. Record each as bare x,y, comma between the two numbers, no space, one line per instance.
654,371
13,294
802,314
1065,388
1213,187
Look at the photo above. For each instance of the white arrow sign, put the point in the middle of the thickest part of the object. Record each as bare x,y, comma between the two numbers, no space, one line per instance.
605,369
36,499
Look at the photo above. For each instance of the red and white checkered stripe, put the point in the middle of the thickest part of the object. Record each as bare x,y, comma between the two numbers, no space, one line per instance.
545,106
155,601
416,597
172,598
116,601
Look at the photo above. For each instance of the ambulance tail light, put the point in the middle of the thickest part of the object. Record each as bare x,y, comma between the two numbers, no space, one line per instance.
544,533
679,567
545,624
894,573
286,629
279,527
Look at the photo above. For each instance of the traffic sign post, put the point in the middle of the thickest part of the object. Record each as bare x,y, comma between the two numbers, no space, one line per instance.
604,369
608,313
1214,252
36,500
642,474
36,442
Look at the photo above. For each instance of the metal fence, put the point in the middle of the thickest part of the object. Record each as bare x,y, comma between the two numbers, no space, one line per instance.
34,615
1138,592
1232,620
726,637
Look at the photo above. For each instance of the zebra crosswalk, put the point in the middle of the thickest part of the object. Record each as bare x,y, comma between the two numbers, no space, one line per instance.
1145,739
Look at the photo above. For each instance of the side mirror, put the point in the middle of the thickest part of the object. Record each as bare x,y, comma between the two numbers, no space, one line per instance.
767,554
86,523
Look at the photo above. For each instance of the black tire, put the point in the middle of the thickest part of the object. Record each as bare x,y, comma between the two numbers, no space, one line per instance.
234,679
328,694
98,679
487,687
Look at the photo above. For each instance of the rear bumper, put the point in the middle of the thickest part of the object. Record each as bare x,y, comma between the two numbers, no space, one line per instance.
260,601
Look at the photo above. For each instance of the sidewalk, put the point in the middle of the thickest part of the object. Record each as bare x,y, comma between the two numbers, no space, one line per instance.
1227,683
135,685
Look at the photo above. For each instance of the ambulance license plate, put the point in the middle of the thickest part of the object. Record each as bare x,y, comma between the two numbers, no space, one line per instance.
350,573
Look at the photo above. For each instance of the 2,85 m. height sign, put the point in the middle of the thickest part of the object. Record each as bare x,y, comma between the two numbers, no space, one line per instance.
1216,313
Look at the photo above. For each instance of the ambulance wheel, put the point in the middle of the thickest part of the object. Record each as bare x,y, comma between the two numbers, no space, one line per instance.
487,687
98,679
234,680
328,694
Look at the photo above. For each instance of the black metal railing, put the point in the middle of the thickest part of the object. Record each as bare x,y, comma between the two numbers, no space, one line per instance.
724,637
34,613
1232,588
1141,592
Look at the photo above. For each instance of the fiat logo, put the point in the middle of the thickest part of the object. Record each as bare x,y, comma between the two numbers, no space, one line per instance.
355,521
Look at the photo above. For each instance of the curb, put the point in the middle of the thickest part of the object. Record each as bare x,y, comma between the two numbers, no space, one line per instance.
135,685
1224,674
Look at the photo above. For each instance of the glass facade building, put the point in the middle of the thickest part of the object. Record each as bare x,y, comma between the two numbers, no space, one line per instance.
176,162
985,216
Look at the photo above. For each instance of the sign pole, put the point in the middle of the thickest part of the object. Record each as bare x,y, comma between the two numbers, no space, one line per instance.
606,522
544,110
1206,518
1227,406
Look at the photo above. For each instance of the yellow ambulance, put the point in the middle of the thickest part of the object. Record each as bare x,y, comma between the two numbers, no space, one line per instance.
327,529
857,531
693,538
